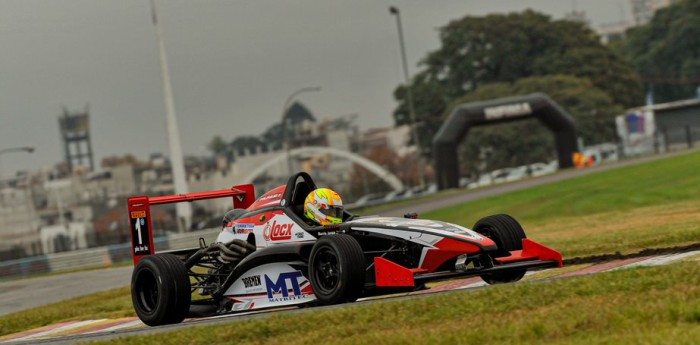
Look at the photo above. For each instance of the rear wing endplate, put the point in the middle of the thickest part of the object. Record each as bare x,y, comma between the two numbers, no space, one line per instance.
139,213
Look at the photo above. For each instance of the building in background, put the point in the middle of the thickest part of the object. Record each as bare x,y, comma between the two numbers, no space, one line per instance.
77,145
660,127
642,12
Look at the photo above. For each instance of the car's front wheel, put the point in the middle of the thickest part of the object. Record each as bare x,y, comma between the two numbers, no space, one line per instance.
508,235
337,269
160,290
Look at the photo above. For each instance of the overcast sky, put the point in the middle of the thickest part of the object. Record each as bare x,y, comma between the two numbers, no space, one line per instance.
232,64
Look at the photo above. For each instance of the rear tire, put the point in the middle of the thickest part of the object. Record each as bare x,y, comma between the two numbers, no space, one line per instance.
337,269
160,290
508,235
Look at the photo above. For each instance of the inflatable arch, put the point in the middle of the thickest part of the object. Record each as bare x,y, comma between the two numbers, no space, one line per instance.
465,116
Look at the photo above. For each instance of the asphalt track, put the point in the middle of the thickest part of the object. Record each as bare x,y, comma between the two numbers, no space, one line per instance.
23,294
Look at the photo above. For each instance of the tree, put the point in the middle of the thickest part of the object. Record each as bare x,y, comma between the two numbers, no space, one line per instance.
504,48
217,146
519,143
666,51
406,167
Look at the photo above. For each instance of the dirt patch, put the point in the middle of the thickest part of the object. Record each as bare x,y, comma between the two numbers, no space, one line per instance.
595,259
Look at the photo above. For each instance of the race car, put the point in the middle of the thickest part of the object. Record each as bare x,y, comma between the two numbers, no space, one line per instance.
267,255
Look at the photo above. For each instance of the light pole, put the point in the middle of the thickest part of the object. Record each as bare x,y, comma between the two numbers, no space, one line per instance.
409,94
177,164
27,149
285,139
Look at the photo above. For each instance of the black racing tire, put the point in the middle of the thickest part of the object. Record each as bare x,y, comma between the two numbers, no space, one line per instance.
160,290
508,235
337,269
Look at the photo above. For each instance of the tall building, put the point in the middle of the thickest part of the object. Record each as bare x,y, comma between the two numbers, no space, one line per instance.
642,13
643,10
77,146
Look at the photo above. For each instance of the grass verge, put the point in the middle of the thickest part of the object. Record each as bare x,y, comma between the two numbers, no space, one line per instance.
627,209
642,305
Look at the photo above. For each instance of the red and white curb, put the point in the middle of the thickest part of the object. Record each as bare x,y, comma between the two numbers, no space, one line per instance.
71,328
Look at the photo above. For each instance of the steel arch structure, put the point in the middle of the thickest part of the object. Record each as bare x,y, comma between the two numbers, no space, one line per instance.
373,167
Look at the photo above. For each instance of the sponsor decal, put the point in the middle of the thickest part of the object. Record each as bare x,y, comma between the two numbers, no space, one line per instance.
140,236
141,249
244,228
506,111
299,235
274,289
252,281
270,197
278,232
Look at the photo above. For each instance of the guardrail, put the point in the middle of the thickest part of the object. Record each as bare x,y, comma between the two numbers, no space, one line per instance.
99,256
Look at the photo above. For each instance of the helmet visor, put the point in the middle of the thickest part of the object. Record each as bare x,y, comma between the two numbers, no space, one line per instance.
333,211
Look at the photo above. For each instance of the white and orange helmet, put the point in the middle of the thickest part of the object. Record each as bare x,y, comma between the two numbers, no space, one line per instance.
324,206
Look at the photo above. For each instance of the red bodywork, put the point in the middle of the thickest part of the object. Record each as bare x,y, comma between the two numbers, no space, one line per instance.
139,213
391,274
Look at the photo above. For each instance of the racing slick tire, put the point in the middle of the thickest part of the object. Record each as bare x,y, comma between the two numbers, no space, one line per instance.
337,269
160,290
508,235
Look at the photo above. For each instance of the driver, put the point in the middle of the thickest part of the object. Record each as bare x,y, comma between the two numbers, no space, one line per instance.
324,206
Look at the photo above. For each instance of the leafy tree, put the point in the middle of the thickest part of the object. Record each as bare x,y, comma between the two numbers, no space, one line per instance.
527,141
246,144
218,146
505,48
406,167
666,52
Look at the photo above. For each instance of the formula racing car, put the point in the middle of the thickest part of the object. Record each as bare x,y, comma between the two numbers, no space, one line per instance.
267,255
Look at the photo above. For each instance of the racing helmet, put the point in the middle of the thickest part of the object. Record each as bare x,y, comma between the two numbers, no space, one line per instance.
324,207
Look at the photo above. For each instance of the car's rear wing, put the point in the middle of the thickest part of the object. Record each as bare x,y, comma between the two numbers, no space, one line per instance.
139,208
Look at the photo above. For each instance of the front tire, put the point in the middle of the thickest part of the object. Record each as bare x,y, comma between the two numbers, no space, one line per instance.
337,269
160,290
508,235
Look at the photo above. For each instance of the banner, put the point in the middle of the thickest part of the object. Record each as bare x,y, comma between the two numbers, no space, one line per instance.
636,130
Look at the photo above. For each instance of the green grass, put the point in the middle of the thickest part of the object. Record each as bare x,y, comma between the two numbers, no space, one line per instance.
635,306
662,181
583,216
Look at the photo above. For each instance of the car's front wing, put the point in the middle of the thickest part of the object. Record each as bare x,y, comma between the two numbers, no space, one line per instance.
533,255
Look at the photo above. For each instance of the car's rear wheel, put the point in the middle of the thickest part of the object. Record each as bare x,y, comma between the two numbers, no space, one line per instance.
508,235
160,290
337,269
